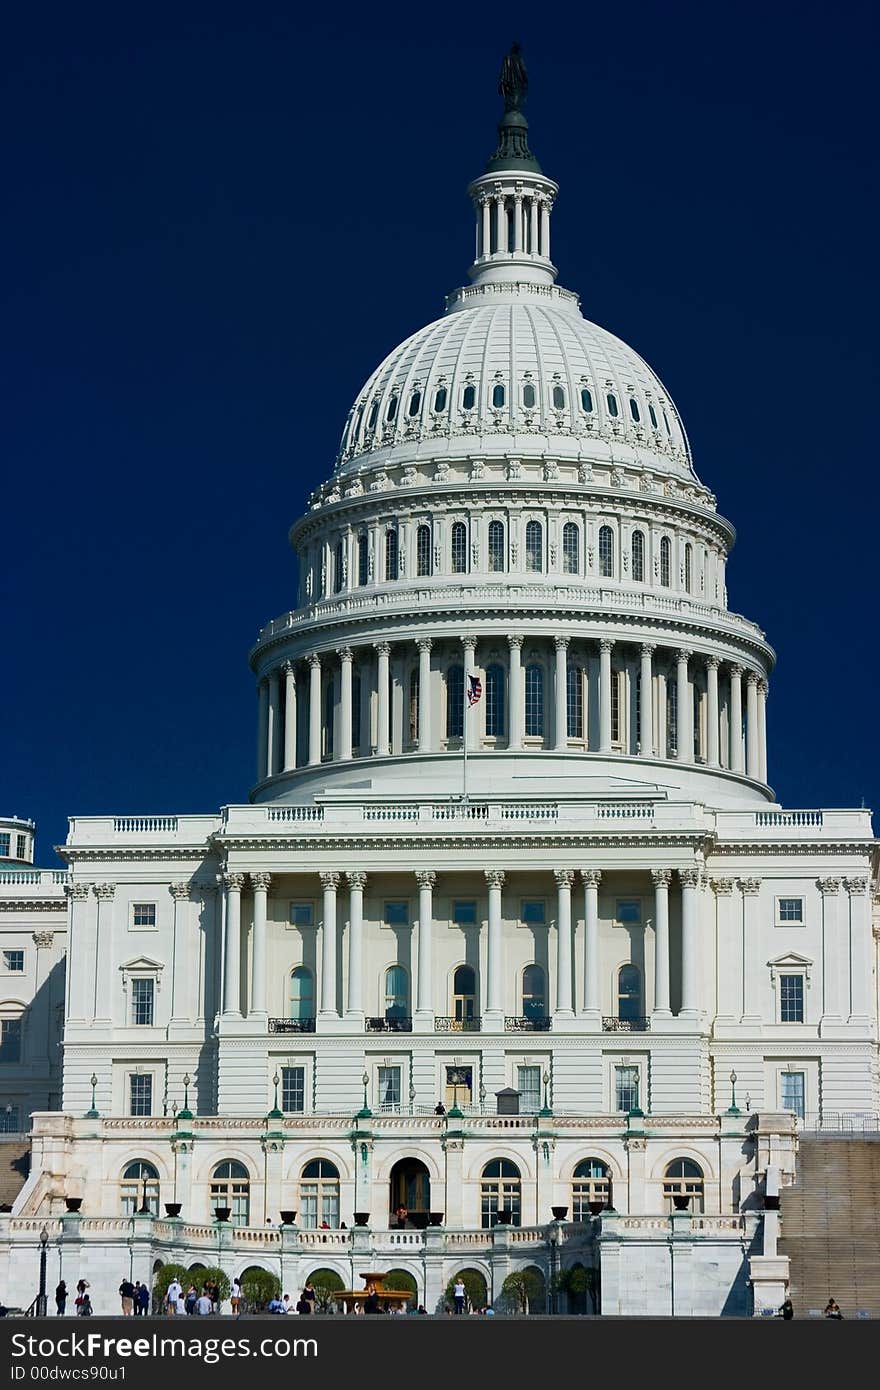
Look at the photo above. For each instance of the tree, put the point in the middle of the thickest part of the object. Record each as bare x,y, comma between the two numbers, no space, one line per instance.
165,1276
258,1288
400,1279
212,1275
579,1284
474,1288
521,1288
326,1283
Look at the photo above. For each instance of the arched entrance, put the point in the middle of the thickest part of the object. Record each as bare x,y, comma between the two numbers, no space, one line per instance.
410,1187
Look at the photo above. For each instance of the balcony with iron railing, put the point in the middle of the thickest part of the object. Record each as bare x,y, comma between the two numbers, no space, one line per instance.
626,1025
291,1025
522,1023
444,1024
384,1024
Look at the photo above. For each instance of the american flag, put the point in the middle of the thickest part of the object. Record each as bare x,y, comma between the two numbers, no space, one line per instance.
475,689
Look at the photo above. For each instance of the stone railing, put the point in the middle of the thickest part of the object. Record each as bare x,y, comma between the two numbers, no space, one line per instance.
35,878
778,824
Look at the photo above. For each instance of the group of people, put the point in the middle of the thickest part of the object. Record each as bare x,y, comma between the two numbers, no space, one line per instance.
82,1303
135,1298
193,1303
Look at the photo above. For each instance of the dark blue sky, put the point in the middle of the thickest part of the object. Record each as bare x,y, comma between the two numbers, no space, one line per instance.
219,218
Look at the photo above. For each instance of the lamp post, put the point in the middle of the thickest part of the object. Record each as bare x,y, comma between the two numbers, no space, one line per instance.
545,1108
144,1208
733,1108
457,1079
275,1113
185,1113
365,1112
41,1296
92,1113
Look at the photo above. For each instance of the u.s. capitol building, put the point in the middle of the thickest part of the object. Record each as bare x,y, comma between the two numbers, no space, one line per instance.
585,962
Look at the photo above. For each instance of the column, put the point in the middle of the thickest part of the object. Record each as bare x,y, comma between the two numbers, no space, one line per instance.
181,964
646,701
500,224
751,930
736,744
660,879
662,715
314,709
514,693
262,729
684,712
105,893
860,950
712,756
517,222
471,724
762,731
592,993
486,208
329,883
728,944
426,878
605,647
494,963
560,687
752,756
261,883
831,950
424,645
289,715
690,882
77,969
564,879
274,730
356,884
533,225
545,230
232,965
383,651
345,659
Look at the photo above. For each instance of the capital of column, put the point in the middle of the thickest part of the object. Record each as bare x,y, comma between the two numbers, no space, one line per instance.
828,886
469,642
735,669
561,643
495,877
591,878
722,887
683,654
261,881
233,882
42,939
564,877
855,886
78,891
606,644
426,878
424,644
288,667
356,879
179,891
330,880
689,878
514,642
382,648
750,886
648,648
712,663
752,678
764,687
345,653
313,660
660,877
105,892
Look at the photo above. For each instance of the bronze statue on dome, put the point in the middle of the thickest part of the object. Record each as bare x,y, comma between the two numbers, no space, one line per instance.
513,82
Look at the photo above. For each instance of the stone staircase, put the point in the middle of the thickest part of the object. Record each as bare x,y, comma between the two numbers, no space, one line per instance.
830,1226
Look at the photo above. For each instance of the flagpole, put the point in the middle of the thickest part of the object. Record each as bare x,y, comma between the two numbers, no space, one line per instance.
464,730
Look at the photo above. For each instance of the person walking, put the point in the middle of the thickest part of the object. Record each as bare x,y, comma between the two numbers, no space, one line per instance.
189,1303
309,1294
832,1309
172,1295
85,1307
61,1299
235,1298
142,1300
126,1294
459,1294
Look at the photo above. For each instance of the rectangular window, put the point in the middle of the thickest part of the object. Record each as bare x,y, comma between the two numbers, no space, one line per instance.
793,1092
396,914
791,998
142,994
671,717
4,845
574,697
389,1088
789,912
143,915
20,846
464,914
10,1119
626,1088
616,677
528,1083
302,915
628,912
10,1040
293,1090
13,961
140,1094
534,912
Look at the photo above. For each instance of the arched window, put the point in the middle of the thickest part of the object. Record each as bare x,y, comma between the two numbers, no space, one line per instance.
496,547
469,397
571,548
338,567
612,404
653,415
396,992
139,1187
666,423
558,398
590,1183
391,553
500,1192
665,551
391,412
499,396
373,416
688,567
302,993
586,400
634,409
629,993
231,1187
464,993
534,701
329,719
683,1185
440,398
413,707
616,727
534,546
529,398
574,702
454,701
638,556
423,550
319,1195
606,552
458,549
363,560
495,701
415,404
534,992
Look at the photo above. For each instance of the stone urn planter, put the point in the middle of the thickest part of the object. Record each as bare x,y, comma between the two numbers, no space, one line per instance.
223,1213
361,1218
435,1218
73,1203
288,1218
419,1220
681,1201
559,1213
172,1208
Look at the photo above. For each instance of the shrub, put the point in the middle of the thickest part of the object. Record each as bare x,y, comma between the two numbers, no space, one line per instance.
326,1283
258,1288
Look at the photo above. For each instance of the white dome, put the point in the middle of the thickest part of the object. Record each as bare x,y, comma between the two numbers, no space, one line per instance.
519,371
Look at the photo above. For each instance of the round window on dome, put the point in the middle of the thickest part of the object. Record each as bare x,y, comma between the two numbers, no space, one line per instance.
612,404
586,399
440,400
415,403
469,397
634,409
558,398
529,397
498,396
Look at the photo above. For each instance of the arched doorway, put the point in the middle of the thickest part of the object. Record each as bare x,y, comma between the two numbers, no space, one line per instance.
410,1187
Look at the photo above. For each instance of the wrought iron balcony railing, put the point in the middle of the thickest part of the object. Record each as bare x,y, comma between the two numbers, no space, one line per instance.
291,1025
456,1025
520,1023
389,1025
626,1025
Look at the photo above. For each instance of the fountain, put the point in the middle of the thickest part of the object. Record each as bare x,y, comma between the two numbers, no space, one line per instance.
389,1299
